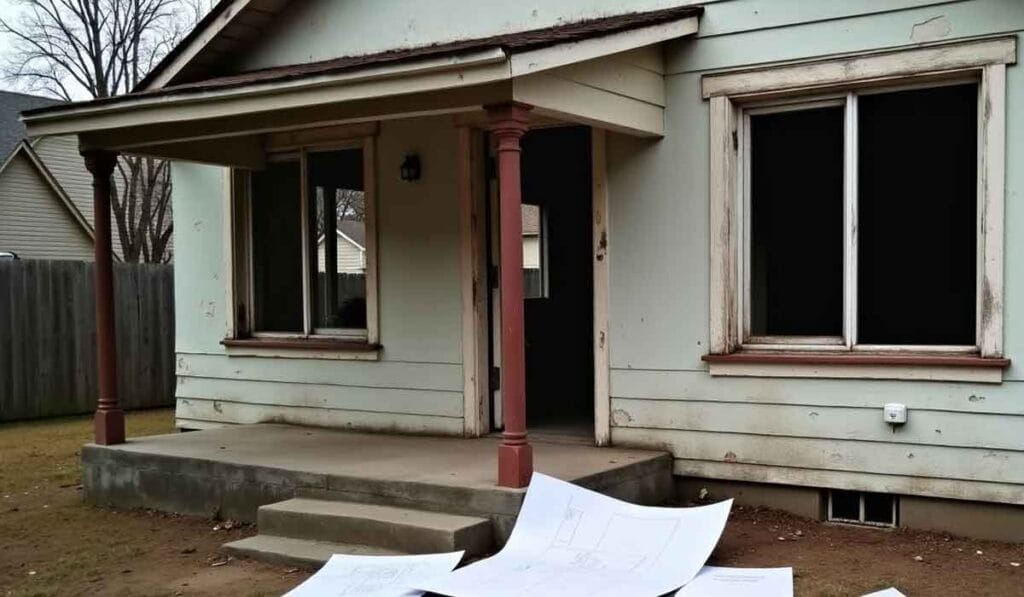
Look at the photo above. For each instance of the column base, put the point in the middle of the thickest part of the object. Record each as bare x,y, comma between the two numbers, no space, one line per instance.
108,427
515,465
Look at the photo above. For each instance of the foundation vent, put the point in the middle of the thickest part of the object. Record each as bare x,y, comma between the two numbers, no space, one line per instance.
863,508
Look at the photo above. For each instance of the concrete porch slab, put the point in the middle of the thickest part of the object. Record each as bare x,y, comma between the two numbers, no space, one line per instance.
230,472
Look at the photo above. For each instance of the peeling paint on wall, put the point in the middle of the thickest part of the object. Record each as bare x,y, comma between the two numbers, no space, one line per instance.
931,30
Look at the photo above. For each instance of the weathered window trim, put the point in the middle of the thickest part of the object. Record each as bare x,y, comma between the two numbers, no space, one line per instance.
731,93
301,347
240,340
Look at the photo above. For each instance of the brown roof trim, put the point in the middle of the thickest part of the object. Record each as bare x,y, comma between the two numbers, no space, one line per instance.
859,358
522,41
214,14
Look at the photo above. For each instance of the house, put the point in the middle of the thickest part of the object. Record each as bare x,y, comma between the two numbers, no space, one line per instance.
45,190
781,251
350,248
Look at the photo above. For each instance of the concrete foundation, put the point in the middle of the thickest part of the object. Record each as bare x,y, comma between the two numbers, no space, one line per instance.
979,520
232,471
802,501
996,522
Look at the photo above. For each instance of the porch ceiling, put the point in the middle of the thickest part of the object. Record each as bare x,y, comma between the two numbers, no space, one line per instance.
603,72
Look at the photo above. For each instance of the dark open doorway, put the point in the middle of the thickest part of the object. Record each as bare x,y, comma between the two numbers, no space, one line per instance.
557,282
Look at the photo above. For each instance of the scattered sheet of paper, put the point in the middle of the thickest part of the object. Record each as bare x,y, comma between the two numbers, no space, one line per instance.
890,592
375,576
714,581
569,542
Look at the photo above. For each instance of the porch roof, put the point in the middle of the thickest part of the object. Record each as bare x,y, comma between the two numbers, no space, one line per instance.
450,77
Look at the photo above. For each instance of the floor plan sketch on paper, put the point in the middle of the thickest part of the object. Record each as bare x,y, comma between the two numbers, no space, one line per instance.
620,541
570,522
372,579
572,542
375,576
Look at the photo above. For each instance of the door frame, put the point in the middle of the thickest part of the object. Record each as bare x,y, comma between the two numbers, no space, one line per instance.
473,195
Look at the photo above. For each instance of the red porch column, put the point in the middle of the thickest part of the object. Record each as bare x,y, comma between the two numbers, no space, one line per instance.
508,124
108,424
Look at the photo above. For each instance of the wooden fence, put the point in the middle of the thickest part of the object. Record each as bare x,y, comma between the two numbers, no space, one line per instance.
48,337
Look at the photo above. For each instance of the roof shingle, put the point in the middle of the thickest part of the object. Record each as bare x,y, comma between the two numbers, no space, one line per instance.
12,130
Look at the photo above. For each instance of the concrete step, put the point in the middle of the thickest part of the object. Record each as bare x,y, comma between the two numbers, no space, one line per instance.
299,553
388,527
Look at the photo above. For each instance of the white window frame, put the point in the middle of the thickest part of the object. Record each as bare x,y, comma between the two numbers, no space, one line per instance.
241,193
734,95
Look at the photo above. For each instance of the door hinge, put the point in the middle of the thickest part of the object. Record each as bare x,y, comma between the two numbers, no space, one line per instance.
495,381
735,140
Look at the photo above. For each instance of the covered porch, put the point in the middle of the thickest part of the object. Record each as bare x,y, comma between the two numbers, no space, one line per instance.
397,482
606,74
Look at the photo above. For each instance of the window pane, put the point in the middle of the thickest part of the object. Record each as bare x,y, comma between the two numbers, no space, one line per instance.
534,249
917,216
796,234
337,206
277,248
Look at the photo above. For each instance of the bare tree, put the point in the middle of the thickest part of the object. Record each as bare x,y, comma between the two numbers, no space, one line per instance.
99,48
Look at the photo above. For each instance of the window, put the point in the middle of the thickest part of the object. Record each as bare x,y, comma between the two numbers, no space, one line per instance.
535,252
857,207
306,267
861,217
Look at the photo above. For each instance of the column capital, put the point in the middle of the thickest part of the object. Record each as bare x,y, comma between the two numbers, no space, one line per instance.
510,120
99,162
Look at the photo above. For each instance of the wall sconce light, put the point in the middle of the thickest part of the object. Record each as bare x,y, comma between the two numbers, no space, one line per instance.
410,169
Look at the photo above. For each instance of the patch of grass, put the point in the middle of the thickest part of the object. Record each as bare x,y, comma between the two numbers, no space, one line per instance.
34,454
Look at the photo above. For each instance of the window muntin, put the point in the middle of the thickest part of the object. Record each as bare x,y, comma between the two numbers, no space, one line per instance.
893,185
290,205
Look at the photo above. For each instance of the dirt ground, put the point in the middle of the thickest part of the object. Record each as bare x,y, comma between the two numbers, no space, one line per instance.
54,544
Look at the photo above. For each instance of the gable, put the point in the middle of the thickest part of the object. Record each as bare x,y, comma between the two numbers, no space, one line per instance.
34,222
245,35
323,29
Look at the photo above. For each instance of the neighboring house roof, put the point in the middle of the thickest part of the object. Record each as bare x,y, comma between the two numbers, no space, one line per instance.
354,231
12,130
511,43
55,159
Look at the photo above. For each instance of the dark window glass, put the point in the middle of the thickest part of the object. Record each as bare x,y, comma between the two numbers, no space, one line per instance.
277,248
917,216
337,208
796,236
878,507
845,505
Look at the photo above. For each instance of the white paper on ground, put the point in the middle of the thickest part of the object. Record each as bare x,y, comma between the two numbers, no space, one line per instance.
890,592
715,581
569,541
375,576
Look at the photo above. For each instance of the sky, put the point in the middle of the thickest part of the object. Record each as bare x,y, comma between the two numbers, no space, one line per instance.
8,11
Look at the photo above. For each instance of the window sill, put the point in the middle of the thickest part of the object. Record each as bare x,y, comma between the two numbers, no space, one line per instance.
302,348
918,366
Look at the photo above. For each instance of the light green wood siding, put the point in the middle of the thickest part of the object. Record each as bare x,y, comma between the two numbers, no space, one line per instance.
417,384
962,440
34,223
